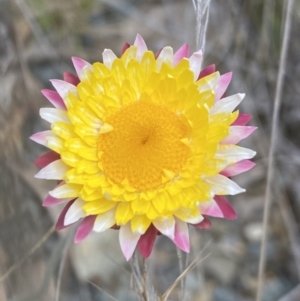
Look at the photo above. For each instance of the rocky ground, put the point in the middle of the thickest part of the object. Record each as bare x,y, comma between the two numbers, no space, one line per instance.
38,37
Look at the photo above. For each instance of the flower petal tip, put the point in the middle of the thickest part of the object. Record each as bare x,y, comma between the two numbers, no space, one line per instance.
138,36
74,213
226,208
182,52
71,78
128,240
140,43
207,71
85,228
165,56
210,208
41,137
108,57
125,47
104,221
146,241
204,225
181,237
222,85
34,138
237,168
183,244
45,159
39,175
238,133
54,98
53,171
166,226
196,62
60,221
242,119
62,87
50,201
80,65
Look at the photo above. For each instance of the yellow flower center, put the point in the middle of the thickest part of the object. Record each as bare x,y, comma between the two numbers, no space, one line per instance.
143,145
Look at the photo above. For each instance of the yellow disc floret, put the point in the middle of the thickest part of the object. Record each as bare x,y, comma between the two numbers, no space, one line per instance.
145,140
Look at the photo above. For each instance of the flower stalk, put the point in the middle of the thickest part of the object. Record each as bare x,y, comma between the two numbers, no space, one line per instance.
141,282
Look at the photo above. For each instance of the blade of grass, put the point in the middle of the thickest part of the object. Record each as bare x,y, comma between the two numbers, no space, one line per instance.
275,119
192,265
63,260
32,251
103,291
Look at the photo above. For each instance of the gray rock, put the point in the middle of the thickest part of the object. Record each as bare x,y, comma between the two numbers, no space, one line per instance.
253,231
275,288
221,268
226,294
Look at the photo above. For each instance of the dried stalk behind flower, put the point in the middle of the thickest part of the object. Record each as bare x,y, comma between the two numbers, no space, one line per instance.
192,265
141,283
275,121
201,8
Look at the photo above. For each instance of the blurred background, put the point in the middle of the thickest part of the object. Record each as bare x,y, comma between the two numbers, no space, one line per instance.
37,39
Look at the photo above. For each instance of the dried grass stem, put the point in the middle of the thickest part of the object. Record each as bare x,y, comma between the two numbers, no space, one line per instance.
275,120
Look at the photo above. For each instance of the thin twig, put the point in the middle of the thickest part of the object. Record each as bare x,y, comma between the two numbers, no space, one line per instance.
186,262
192,265
275,118
201,8
195,5
291,227
150,292
184,274
32,251
35,28
137,276
37,31
180,261
51,266
120,266
103,291
145,277
266,29
61,267
182,267
140,282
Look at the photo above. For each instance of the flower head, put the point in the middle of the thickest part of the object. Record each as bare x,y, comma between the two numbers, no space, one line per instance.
143,144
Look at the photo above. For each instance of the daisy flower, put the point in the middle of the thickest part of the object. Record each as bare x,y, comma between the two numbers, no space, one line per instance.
145,144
